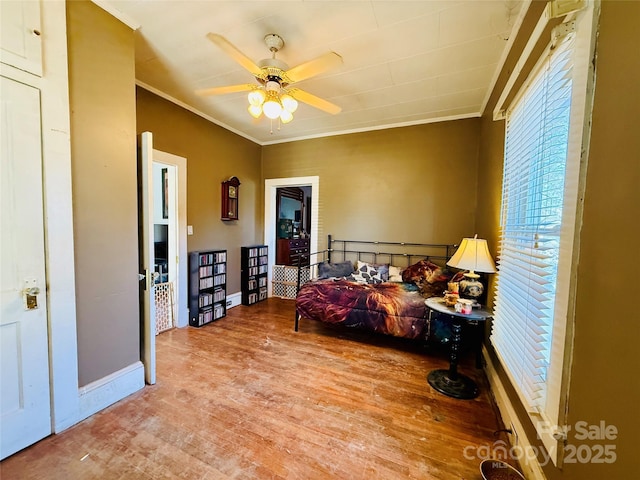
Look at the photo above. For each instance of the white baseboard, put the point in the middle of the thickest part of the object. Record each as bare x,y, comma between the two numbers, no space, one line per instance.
529,464
234,300
108,390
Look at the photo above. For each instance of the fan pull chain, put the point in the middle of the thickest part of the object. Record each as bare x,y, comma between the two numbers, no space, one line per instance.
279,125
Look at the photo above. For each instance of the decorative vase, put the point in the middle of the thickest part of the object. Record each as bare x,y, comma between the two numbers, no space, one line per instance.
471,287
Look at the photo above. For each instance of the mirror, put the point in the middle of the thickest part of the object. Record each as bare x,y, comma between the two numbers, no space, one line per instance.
290,212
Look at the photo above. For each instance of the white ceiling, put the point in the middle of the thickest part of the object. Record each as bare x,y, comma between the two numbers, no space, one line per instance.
405,62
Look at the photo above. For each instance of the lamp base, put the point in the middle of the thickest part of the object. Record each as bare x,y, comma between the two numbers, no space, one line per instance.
471,287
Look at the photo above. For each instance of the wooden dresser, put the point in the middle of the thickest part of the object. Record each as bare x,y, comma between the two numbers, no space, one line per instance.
289,249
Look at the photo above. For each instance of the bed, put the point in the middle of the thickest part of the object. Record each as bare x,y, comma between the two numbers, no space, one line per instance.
376,286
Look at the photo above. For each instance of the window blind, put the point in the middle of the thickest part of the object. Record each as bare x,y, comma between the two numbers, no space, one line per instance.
534,196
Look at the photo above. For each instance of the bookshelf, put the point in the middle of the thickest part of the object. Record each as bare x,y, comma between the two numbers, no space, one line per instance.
207,286
253,276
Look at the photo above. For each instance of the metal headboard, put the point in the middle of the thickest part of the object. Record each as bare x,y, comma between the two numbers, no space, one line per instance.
368,251
401,254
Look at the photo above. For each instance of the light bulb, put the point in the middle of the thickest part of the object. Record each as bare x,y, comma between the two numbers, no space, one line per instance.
272,108
256,97
286,116
289,103
255,110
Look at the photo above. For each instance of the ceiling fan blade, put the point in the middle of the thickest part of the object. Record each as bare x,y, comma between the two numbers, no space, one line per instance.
314,67
235,54
314,101
244,87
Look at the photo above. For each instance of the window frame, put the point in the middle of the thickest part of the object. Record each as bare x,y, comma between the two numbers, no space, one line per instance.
550,422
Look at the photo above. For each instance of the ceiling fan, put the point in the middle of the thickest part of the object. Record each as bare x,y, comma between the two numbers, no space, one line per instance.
273,95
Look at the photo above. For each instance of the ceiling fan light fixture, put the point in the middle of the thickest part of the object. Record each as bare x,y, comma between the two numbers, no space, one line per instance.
272,108
271,95
272,87
256,97
286,116
289,103
255,111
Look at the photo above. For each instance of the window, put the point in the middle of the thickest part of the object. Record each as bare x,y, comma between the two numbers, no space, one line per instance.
540,211
532,199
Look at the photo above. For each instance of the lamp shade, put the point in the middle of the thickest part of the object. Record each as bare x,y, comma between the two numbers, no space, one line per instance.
272,108
256,97
289,103
286,116
255,110
473,255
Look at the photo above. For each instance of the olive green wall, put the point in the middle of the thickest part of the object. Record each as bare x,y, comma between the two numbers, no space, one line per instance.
605,355
213,155
412,184
105,219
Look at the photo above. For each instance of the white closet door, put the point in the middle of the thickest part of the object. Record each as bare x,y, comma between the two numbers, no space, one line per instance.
20,35
25,408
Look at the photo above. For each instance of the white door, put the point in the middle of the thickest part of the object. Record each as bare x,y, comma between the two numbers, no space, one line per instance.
20,35
25,408
147,256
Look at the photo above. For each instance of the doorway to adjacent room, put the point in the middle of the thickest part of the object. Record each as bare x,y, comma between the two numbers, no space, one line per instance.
170,237
308,184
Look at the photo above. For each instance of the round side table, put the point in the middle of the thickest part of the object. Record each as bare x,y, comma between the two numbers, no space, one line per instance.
449,381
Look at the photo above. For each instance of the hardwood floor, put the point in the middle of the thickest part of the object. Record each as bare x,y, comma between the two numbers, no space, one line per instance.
248,398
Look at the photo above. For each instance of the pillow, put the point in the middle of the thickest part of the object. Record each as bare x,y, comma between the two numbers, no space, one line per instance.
395,274
364,277
378,272
435,289
458,276
356,277
341,269
421,272
430,279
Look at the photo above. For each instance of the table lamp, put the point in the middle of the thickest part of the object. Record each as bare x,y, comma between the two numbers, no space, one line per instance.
473,255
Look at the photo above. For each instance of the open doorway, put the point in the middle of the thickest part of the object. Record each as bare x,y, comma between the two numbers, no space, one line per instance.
165,245
170,239
308,184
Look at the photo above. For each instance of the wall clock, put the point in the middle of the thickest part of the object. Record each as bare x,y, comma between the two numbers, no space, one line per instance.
230,194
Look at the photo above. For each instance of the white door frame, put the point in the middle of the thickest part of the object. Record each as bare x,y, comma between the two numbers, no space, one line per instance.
270,187
180,164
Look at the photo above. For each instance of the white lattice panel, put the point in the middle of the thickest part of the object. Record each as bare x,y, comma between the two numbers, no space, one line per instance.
305,276
283,290
164,306
278,273
285,279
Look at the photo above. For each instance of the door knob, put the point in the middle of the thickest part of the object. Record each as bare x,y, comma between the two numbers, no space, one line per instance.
30,294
